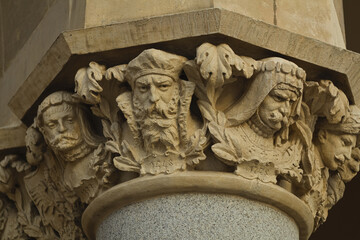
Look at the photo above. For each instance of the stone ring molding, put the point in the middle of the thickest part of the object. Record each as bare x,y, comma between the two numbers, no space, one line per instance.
195,182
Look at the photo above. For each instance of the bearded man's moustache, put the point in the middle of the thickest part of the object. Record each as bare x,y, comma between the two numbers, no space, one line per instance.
159,109
62,137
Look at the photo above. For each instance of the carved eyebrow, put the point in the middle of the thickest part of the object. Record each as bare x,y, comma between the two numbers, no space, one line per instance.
285,95
278,93
142,82
162,81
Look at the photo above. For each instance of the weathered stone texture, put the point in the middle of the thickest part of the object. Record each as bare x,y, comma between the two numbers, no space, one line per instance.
198,216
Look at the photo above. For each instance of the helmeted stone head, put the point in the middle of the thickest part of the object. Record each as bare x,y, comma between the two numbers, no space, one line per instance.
337,142
62,121
274,96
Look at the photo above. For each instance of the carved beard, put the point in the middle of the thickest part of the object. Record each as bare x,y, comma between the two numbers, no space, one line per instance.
158,123
65,141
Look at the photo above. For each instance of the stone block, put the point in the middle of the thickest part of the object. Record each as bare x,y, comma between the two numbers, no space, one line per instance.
100,13
252,37
299,17
260,10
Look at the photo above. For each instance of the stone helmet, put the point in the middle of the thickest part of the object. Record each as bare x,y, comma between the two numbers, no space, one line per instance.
153,61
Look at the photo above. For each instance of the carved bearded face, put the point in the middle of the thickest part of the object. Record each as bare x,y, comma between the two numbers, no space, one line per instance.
155,101
336,149
61,127
276,108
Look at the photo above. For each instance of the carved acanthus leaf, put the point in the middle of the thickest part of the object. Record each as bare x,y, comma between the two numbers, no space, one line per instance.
86,83
16,162
156,133
326,100
116,72
194,151
128,159
217,64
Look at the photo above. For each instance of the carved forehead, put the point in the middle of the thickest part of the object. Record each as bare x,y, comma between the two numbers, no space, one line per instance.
55,99
349,125
154,78
62,108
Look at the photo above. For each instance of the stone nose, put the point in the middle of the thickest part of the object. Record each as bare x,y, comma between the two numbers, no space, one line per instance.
61,127
285,108
154,95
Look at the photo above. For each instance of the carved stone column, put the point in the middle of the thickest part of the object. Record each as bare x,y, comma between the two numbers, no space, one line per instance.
204,120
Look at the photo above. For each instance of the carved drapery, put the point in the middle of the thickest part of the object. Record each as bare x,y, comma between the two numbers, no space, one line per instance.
161,113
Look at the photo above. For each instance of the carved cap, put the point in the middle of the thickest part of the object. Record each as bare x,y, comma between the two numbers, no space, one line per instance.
153,61
349,125
272,72
55,98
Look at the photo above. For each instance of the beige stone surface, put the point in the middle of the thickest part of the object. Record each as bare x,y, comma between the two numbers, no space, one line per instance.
262,10
39,33
112,11
181,26
315,19
339,6
296,16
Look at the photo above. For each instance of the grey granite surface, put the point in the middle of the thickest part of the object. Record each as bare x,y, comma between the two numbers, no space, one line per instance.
198,216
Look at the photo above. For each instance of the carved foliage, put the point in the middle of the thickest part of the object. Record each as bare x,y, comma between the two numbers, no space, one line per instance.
276,127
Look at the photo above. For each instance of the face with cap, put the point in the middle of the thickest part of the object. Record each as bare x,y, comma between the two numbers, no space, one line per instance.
155,93
61,127
336,149
275,110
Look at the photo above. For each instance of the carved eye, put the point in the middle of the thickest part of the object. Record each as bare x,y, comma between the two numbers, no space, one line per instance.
51,125
69,120
278,98
143,88
164,87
